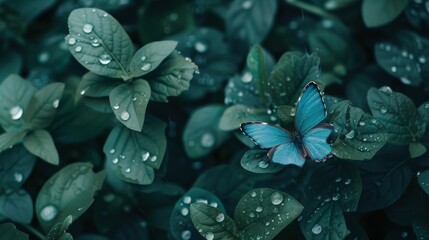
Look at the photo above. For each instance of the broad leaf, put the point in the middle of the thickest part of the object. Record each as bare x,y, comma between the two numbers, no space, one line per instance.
212,222
235,115
59,230
376,13
129,102
416,149
150,56
202,134
70,191
261,206
41,144
43,106
9,231
17,206
15,94
133,155
423,180
398,113
99,43
171,77
242,89
9,139
16,165
359,136
93,85
257,161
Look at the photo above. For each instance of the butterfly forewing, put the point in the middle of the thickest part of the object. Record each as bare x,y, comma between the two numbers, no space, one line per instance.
315,142
310,109
264,135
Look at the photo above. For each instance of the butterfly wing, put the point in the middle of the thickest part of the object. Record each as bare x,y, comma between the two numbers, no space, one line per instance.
315,144
264,135
310,109
287,153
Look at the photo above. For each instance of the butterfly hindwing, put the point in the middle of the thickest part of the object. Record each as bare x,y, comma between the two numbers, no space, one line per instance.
264,135
315,142
286,153
310,109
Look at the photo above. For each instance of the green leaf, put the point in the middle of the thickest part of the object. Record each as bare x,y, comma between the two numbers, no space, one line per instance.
171,77
359,136
262,205
133,155
9,139
129,102
424,112
58,231
70,191
99,43
376,13
289,76
201,134
147,58
398,113
212,223
9,231
16,165
421,229
286,114
257,161
250,21
43,106
423,180
180,219
17,206
235,115
416,149
41,144
243,90
93,85
15,94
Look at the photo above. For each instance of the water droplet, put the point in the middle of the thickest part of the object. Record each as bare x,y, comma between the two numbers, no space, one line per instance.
393,69
422,60
247,77
146,67
87,28
153,158
184,211
209,236
56,103
253,194
95,42
105,15
351,134
48,213
128,170
18,176
207,140
263,164
362,123
336,197
276,198
317,229
292,112
383,110
112,151
187,199
186,235
105,59
200,47
125,115
116,107
348,181
405,80
78,49
220,217
82,92
259,209
16,112
386,89
145,156
115,161
426,106
246,5
72,41
43,57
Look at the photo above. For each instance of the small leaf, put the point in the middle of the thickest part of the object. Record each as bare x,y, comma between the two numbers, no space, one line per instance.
43,106
41,144
15,94
421,229
129,102
150,56
212,222
99,43
257,161
58,231
16,165
416,149
262,205
423,180
201,134
17,206
376,13
93,85
171,77
133,155
9,231
398,113
70,191
9,139
235,115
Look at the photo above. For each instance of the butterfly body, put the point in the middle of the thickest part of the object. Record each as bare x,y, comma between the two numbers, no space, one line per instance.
309,138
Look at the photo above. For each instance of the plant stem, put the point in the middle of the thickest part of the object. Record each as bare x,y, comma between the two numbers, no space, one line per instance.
34,231
311,8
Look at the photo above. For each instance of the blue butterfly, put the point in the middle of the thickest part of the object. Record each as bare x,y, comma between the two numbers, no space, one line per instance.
309,138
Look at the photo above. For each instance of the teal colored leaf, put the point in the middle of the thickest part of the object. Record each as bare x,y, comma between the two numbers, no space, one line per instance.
250,21
421,229
9,231
181,225
416,149
242,89
15,94
202,134
261,206
70,191
398,113
147,58
16,165
99,43
17,206
132,155
359,136
11,63
129,102
257,161
423,180
424,112
235,115
376,13
171,77
41,144
93,85
212,222
43,106
59,230
9,139
289,76
404,56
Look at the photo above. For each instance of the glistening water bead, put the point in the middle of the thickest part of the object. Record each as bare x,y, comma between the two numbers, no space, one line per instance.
105,59
125,115
87,28
276,198
16,112
317,229
48,213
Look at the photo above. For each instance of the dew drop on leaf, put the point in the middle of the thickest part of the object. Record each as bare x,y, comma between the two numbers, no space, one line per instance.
247,77
115,161
125,115
220,217
386,89
56,103
263,164
187,199
276,198
82,92
259,209
253,194
105,59
213,204
78,49
383,110
145,156
393,69
246,5
405,80
207,140
95,42
184,211
186,235
72,41
317,229
112,151
43,57
18,177
16,112
87,28
142,58
200,47
153,158
146,67
128,170
351,134
48,213
209,236
116,107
